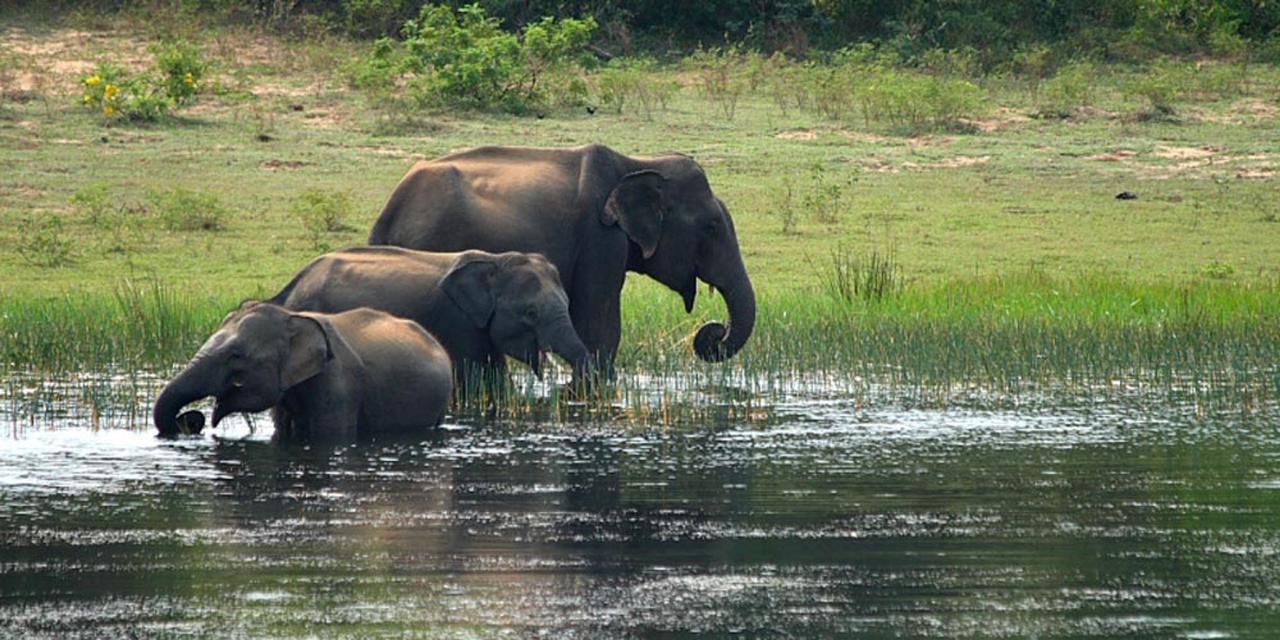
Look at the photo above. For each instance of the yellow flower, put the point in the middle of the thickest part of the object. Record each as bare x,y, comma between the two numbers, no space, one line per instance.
92,80
88,98
189,79
109,110
110,91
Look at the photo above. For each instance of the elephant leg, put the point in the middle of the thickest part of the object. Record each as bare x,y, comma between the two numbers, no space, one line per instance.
599,325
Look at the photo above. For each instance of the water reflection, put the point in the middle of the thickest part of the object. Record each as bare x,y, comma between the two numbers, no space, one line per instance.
1127,518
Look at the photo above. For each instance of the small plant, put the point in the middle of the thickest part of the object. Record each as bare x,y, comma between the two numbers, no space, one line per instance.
180,69
1217,270
786,206
43,242
185,210
322,212
825,197
94,202
851,277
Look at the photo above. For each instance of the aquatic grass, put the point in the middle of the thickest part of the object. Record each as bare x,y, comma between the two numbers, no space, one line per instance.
138,325
1001,337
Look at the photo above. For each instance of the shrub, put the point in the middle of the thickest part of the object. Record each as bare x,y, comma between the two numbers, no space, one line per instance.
377,71
180,69
635,80
825,197
1160,85
464,57
42,241
185,210
722,75
1221,80
919,101
110,91
322,212
1217,270
1068,90
94,201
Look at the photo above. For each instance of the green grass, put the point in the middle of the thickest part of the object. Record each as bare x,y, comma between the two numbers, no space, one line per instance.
1016,261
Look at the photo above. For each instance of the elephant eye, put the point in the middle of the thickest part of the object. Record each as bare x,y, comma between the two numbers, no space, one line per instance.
530,313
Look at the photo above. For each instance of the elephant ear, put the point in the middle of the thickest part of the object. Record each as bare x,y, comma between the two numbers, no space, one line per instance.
469,283
309,350
635,205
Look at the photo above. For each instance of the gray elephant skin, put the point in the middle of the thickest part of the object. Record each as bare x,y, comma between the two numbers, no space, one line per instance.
481,306
595,214
325,376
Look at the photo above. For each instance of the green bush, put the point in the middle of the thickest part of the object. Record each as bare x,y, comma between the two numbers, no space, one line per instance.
376,72
322,212
1160,85
110,91
1068,90
918,101
723,76
185,210
94,202
636,81
1221,80
180,69
463,57
43,242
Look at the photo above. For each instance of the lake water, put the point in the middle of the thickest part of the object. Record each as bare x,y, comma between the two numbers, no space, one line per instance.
1121,516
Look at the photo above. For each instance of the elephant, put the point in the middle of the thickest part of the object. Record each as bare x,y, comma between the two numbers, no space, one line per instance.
481,306
325,376
595,214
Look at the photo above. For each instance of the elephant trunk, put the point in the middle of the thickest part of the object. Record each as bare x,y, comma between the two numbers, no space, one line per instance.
563,340
187,387
715,342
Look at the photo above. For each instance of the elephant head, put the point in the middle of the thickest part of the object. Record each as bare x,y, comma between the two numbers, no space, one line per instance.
518,299
260,351
682,232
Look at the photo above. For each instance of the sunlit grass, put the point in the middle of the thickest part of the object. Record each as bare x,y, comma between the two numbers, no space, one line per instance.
1010,336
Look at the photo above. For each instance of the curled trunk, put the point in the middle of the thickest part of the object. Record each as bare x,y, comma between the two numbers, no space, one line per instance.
716,342
187,387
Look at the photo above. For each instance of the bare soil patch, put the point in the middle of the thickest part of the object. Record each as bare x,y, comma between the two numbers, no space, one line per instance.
1119,155
274,165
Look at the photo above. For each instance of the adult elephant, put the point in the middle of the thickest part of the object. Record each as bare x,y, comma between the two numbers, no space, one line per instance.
326,376
595,214
481,306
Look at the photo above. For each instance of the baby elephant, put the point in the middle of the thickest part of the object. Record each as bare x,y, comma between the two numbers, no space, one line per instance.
325,376
481,306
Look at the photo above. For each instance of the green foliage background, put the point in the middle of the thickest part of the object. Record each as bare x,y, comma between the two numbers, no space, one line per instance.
998,29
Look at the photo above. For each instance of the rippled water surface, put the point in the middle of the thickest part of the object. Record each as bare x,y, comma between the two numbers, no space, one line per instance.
1115,518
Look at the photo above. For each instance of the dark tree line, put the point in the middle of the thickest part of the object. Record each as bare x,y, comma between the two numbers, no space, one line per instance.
996,27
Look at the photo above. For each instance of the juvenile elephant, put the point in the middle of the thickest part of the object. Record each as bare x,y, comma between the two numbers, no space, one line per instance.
481,306
326,376
595,214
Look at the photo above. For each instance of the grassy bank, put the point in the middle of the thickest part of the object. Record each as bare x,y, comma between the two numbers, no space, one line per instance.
996,331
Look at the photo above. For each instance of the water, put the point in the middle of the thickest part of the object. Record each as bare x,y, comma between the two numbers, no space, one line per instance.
1126,515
